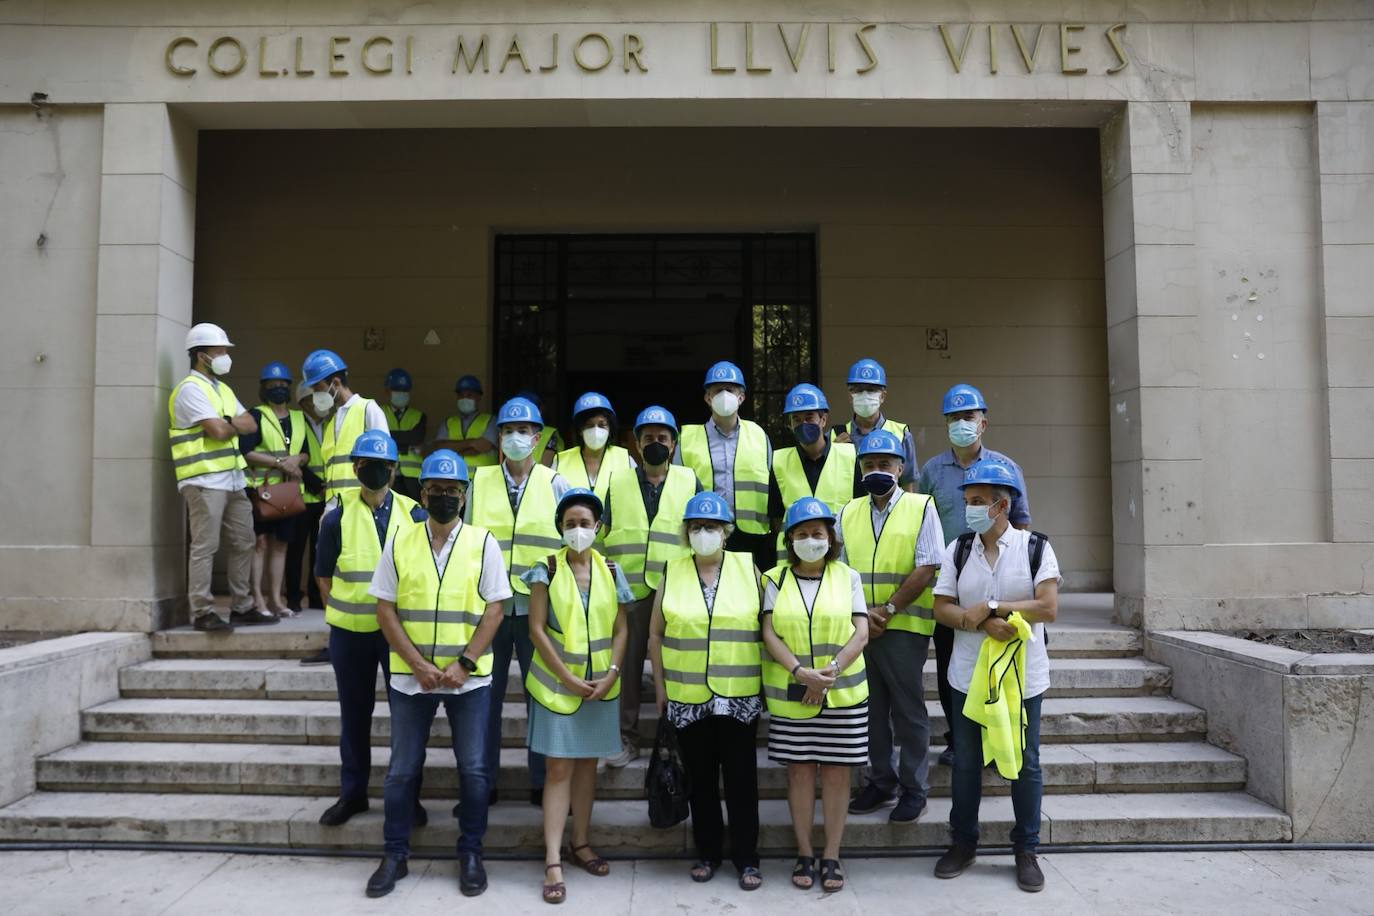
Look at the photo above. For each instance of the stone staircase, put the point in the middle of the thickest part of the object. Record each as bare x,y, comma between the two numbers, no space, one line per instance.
228,739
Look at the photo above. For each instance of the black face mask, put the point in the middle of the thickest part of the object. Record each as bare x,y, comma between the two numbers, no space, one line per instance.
879,482
374,475
443,509
277,395
655,453
807,433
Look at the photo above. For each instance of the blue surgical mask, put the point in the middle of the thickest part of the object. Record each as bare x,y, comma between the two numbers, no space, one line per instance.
807,433
963,433
979,518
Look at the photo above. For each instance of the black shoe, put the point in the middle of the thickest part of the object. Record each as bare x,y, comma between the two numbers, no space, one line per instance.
253,617
492,798
472,876
1029,877
946,758
338,814
537,797
870,799
294,605
319,658
909,808
383,880
421,817
955,860
212,623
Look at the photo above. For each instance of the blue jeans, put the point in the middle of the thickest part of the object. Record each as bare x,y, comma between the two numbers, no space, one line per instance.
967,781
356,658
512,638
411,718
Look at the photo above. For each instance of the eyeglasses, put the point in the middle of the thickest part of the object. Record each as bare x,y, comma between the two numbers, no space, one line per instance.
444,491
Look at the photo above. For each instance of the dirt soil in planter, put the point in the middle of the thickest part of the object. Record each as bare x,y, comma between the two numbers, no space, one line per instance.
1319,642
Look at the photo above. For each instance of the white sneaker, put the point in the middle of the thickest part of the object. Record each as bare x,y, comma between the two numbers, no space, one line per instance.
628,754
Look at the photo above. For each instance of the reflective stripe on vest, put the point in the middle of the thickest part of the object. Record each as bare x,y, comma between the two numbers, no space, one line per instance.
814,637
583,638
350,607
316,461
193,451
453,429
570,467
335,447
716,652
525,535
751,471
641,548
274,443
883,566
835,487
409,465
438,614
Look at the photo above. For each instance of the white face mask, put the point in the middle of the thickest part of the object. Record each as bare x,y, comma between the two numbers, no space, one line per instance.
595,437
706,542
811,549
517,446
866,403
400,399
579,539
323,402
467,406
220,365
963,433
725,403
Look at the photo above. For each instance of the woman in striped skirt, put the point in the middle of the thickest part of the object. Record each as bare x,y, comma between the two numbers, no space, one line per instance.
815,626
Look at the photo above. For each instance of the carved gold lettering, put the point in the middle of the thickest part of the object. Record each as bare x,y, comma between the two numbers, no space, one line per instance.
228,41
1027,57
1065,49
795,55
514,53
336,57
371,43
300,63
263,70
749,65
172,47
631,47
1114,39
605,48
956,58
866,48
715,51
460,55
552,65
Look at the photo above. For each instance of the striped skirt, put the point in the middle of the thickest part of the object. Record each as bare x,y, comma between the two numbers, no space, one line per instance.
836,737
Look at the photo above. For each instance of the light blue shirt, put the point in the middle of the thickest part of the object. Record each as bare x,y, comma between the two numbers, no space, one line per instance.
722,448
940,478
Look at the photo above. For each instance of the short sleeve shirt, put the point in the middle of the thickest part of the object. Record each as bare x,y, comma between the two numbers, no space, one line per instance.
190,407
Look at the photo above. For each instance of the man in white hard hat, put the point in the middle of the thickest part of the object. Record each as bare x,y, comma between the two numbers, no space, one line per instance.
205,420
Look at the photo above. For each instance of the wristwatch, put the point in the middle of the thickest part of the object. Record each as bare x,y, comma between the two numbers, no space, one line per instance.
467,664
992,606
891,609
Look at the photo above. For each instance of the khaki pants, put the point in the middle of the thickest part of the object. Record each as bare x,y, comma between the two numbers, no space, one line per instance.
632,671
214,513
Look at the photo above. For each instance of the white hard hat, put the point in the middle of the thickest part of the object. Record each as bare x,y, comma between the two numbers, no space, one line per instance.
207,335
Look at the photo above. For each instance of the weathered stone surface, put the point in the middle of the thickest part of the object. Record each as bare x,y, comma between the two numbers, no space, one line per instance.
1328,747
1164,818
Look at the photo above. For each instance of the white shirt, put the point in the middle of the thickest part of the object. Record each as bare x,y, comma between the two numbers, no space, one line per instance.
373,418
190,407
1009,581
811,587
930,540
492,585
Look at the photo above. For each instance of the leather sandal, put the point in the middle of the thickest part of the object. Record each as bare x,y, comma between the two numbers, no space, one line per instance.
832,878
596,865
747,873
804,869
702,872
556,892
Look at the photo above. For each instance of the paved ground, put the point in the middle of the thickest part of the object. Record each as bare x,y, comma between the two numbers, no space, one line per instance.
146,883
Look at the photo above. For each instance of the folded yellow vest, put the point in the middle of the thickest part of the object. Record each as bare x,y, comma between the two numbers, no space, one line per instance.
995,698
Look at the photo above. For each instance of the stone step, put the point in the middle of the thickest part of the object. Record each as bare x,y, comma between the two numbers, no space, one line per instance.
287,679
619,828
1068,719
313,769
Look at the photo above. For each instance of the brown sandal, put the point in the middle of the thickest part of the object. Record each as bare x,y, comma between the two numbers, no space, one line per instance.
556,892
594,866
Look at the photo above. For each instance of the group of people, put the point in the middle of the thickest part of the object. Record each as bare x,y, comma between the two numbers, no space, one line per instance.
807,581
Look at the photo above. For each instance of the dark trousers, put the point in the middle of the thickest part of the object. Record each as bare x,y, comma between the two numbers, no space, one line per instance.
713,748
944,648
764,547
898,727
967,781
513,638
295,552
356,658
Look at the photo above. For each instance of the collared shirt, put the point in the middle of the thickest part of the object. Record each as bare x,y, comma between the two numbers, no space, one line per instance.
518,605
190,407
909,465
374,418
722,448
649,491
1008,580
941,478
329,541
930,540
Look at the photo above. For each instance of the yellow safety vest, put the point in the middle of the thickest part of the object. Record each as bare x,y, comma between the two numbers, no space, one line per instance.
315,461
835,487
715,652
995,701
815,637
582,638
274,443
337,445
641,547
751,471
350,607
193,451
409,465
453,429
883,566
439,614
570,467
541,445
526,534
897,429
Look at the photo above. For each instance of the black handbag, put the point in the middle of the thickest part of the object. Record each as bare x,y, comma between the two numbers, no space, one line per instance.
666,784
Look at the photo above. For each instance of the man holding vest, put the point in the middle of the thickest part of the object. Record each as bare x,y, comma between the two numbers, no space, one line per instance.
204,423
439,588
815,466
325,372
733,456
469,432
407,427
516,500
892,538
867,381
312,484
350,544
966,417
643,522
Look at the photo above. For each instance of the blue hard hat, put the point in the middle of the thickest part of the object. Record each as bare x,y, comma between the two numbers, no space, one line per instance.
592,401
468,382
994,473
519,410
806,509
962,397
397,380
724,373
275,371
376,444
867,372
805,397
320,365
578,496
444,464
659,416
708,506
881,442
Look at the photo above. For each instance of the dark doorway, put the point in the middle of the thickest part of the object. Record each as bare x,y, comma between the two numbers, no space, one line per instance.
640,318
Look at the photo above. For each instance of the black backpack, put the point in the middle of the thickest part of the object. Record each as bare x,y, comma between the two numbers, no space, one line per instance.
1035,547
